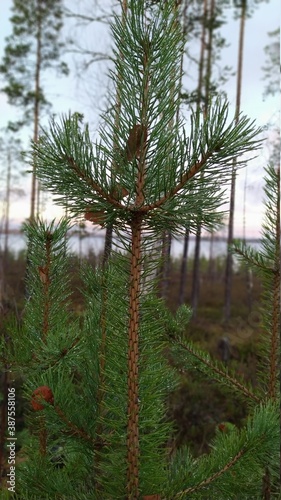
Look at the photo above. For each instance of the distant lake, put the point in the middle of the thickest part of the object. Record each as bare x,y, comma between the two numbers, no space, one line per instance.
94,242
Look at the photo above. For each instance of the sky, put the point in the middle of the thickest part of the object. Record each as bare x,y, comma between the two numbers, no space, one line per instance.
87,94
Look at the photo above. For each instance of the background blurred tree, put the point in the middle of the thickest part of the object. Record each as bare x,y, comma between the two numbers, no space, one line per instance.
9,157
272,66
243,9
272,87
10,174
199,21
212,44
33,48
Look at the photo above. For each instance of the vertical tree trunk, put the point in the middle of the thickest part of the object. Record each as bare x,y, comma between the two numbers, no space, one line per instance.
166,263
107,245
229,260
34,188
211,264
248,271
196,275
7,217
183,269
165,270
196,264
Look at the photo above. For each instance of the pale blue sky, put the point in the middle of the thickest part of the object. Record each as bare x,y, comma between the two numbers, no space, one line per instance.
87,95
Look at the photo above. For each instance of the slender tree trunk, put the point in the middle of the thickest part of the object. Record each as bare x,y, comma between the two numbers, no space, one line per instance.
36,111
183,270
211,265
248,271
196,275
7,217
107,245
4,256
229,259
166,263
165,270
80,236
196,263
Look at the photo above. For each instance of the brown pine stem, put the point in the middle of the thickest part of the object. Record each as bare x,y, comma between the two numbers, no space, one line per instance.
133,445
133,450
133,358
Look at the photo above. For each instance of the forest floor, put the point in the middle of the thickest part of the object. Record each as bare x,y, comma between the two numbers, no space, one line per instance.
197,407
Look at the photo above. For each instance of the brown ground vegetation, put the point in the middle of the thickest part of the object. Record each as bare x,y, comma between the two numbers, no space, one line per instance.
197,407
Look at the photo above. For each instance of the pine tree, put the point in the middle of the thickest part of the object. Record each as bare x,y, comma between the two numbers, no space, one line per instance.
271,68
9,155
245,9
210,18
96,386
33,47
229,261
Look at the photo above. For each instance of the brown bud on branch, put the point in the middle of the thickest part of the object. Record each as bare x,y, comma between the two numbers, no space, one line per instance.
136,140
41,394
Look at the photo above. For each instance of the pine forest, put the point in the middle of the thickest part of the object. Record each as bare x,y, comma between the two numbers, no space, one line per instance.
142,369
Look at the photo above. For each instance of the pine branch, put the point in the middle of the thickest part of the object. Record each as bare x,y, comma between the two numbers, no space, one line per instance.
273,193
194,169
213,477
267,264
90,182
203,362
252,257
74,429
225,471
